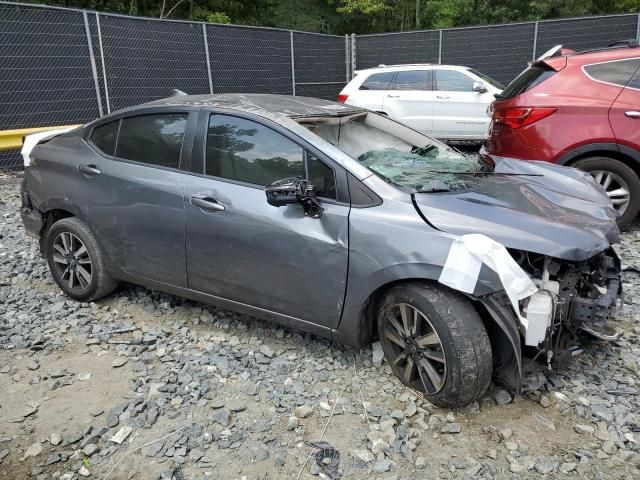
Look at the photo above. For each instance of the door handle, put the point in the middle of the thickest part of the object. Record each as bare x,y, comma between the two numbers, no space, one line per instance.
89,170
392,96
443,97
632,114
206,202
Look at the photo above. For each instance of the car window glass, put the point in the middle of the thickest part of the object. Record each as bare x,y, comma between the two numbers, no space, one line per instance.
154,139
378,81
529,78
452,81
246,151
104,137
635,81
618,73
412,80
321,177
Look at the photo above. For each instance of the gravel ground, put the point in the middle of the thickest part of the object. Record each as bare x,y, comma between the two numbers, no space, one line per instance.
146,385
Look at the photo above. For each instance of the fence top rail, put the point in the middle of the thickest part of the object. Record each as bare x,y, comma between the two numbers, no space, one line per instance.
508,24
174,20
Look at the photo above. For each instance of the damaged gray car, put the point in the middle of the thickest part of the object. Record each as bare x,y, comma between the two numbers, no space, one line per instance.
337,221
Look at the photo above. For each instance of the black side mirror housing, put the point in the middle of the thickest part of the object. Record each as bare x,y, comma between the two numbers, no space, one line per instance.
294,190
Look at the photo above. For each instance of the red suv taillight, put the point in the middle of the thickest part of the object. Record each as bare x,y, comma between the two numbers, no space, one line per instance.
342,98
517,117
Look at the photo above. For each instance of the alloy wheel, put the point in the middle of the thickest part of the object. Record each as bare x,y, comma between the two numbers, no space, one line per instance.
616,188
72,262
417,354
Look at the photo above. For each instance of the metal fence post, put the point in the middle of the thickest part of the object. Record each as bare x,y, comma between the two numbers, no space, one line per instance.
104,68
94,70
347,57
206,54
535,40
638,29
353,53
293,66
440,47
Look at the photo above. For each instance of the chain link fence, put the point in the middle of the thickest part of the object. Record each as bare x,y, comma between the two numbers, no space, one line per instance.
500,51
62,66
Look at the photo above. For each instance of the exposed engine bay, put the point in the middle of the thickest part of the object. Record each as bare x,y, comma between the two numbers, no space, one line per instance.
572,297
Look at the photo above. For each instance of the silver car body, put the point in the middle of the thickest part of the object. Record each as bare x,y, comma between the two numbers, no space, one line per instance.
323,275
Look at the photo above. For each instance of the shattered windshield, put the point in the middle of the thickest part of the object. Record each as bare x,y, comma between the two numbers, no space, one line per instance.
427,169
399,155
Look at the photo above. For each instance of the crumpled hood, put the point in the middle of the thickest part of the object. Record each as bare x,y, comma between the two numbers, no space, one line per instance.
563,213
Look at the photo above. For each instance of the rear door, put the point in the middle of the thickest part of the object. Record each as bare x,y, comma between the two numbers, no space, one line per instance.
458,111
134,192
409,100
624,114
239,247
371,93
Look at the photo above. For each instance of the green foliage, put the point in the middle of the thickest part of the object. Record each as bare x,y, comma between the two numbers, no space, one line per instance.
357,16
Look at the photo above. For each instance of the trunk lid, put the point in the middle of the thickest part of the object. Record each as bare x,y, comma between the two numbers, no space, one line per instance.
563,213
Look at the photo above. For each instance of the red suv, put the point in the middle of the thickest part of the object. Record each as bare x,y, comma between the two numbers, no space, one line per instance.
581,110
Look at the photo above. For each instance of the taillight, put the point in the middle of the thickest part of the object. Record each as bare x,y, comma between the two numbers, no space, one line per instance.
342,98
517,117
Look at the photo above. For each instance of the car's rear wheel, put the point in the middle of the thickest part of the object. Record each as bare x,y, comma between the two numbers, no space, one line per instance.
435,343
76,262
619,181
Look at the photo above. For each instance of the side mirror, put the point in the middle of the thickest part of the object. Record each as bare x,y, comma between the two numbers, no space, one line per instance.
479,87
293,190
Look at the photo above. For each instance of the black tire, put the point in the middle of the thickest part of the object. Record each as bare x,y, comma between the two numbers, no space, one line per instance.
624,172
463,343
75,233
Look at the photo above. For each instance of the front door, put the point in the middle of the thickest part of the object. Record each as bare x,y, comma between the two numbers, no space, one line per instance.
409,100
135,194
242,249
458,111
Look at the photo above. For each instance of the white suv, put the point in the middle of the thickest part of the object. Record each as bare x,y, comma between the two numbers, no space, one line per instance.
444,101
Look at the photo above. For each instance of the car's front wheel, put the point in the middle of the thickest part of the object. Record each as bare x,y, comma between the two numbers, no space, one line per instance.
619,181
435,342
76,262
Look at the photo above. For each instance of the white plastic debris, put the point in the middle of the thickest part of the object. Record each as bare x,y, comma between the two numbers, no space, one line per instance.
122,435
462,269
30,141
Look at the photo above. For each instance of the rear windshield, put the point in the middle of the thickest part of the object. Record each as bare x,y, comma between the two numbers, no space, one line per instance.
532,76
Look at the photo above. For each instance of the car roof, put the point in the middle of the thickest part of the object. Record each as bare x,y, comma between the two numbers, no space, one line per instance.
407,66
262,104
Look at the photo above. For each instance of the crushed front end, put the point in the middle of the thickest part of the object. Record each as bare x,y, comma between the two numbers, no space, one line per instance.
572,297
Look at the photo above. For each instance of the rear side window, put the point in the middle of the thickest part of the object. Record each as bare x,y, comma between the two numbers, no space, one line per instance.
617,72
104,137
413,80
532,76
154,139
452,81
635,81
378,81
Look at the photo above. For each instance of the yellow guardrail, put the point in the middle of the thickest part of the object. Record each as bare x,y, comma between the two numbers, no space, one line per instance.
12,139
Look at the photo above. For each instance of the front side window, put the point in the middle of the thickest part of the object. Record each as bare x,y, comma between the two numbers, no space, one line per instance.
249,152
155,139
246,151
453,81
618,73
104,137
413,80
378,81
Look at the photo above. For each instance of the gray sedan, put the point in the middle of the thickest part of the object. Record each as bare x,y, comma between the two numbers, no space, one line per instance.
337,221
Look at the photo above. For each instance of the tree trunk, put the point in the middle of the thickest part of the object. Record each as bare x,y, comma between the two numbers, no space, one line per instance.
417,13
